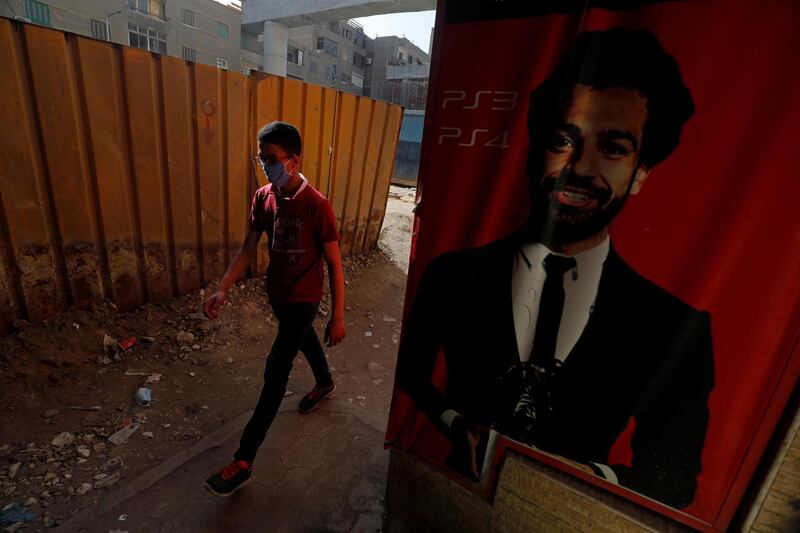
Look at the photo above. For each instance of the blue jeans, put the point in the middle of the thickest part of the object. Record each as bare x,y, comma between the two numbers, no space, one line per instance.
295,333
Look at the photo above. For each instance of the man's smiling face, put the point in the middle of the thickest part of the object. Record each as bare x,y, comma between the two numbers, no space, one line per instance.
590,163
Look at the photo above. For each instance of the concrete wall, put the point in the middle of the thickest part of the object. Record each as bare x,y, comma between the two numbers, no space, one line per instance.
127,175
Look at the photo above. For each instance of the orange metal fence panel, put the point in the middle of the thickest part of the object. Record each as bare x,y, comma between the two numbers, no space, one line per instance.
127,176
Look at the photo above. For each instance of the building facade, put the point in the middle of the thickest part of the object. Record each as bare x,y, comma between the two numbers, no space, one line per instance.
203,31
333,54
336,54
406,60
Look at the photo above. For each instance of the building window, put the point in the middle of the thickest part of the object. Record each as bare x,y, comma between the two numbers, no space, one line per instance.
188,17
153,8
410,60
357,80
330,72
37,12
222,30
400,55
329,47
99,30
313,66
189,54
344,77
358,60
147,38
222,63
361,40
294,56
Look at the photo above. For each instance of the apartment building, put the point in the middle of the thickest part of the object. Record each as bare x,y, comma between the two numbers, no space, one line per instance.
333,54
404,59
203,31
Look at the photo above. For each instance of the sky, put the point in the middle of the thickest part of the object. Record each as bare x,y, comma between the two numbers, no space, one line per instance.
415,26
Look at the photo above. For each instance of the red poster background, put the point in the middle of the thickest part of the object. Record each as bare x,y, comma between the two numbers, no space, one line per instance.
716,224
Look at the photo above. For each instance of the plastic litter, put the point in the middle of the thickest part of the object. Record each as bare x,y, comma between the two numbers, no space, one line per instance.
16,512
121,436
143,396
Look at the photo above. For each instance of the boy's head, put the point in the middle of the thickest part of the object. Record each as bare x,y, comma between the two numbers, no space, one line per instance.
279,142
283,135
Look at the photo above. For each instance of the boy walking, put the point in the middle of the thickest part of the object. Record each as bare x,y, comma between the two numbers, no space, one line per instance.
301,230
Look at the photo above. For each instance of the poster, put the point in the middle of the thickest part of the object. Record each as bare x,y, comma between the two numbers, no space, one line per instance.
607,246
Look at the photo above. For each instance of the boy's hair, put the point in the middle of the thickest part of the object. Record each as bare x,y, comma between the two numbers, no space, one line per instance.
282,134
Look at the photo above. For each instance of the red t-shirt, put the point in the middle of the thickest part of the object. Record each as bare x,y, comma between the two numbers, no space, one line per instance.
297,228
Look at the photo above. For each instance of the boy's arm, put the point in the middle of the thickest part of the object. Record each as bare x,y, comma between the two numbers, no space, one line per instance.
335,331
236,270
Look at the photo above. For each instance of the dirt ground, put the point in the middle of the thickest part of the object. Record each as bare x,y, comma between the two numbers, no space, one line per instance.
63,394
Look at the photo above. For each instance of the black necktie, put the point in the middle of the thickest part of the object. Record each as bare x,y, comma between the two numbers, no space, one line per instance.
551,305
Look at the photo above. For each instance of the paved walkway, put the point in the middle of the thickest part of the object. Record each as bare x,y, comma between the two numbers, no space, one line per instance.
325,471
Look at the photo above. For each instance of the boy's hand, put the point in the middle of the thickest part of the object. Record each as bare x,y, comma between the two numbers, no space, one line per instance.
334,332
213,304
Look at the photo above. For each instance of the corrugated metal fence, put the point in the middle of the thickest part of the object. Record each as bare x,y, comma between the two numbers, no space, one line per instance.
127,176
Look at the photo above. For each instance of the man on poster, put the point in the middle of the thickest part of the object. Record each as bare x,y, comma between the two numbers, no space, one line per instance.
548,336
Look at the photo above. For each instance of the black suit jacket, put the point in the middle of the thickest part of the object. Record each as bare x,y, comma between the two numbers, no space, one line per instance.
643,354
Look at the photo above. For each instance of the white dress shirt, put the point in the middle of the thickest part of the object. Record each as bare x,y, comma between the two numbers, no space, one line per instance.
580,291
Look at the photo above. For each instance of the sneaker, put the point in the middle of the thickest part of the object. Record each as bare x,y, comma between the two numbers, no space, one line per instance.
229,479
311,400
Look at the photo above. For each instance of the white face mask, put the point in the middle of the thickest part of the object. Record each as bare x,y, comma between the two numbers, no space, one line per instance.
276,174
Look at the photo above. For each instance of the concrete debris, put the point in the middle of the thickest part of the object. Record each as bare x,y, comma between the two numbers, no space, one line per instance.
12,470
147,434
184,338
63,439
83,451
84,488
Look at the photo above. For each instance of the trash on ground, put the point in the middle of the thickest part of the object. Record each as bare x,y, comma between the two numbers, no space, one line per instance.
147,434
127,344
123,517
288,393
107,481
368,334
16,512
109,344
143,396
112,465
121,436
84,407
153,378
